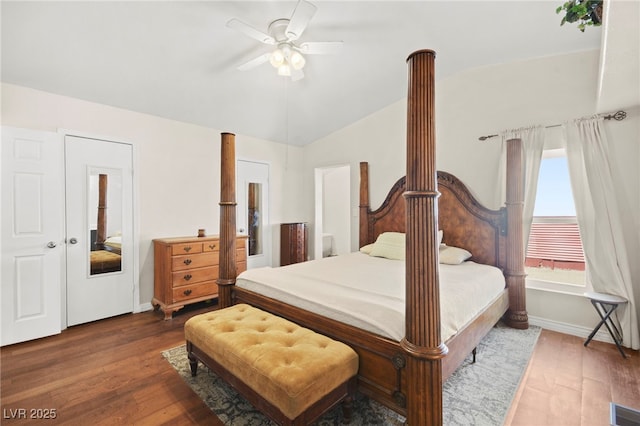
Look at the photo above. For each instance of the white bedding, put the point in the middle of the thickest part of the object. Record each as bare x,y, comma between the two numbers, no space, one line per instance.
114,241
368,292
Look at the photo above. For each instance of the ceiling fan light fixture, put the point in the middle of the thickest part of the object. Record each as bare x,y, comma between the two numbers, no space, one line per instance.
297,60
277,58
284,58
284,70
289,55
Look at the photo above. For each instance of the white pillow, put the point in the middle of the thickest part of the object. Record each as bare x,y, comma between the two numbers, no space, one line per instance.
390,245
453,255
366,249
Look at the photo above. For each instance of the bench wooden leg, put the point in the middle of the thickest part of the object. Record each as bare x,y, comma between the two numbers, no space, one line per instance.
193,361
347,409
347,402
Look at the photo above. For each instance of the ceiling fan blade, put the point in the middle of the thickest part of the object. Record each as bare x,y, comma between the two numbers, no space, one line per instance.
255,62
250,31
301,16
320,47
297,75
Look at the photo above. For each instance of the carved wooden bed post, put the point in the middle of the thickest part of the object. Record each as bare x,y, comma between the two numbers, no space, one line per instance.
364,202
227,268
101,233
422,343
516,316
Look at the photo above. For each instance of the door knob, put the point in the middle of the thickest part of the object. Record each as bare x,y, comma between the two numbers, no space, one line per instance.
51,244
73,240
241,230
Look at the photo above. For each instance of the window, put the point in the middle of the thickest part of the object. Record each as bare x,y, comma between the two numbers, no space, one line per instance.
554,251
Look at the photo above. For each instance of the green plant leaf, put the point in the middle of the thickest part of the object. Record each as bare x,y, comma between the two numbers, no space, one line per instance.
581,10
584,12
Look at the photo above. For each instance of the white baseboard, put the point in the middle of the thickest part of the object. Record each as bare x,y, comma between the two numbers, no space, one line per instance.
574,330
143,307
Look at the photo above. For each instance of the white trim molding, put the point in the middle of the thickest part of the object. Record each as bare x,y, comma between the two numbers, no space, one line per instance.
574,330
143,307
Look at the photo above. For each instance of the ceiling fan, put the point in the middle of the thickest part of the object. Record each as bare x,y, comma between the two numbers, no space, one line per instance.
284,33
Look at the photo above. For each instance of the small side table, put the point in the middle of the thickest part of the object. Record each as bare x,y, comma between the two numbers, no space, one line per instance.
605,305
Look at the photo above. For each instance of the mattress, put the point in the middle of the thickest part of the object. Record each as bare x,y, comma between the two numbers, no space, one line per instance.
369,292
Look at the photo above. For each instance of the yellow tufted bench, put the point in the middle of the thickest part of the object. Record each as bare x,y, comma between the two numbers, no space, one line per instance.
290,373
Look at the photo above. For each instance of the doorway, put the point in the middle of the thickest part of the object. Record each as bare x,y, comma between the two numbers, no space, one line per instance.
252,217
332,235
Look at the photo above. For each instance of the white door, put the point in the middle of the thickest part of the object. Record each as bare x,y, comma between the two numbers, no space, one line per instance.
252,215
99,219
32,234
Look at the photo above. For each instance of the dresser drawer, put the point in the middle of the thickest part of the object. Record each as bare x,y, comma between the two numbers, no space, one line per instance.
186,248
179,263
209,288
210,246
194,276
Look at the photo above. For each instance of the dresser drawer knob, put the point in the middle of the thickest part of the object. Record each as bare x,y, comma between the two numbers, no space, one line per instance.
212,246
187,277
186,292
187,261
187,249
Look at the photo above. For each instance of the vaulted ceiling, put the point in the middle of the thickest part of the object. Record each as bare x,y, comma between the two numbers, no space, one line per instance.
178,59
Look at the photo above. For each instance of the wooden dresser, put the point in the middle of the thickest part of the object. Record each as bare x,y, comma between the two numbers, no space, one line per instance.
293,243
186,270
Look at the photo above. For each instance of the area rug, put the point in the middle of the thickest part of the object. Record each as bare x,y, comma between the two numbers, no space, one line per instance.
476,394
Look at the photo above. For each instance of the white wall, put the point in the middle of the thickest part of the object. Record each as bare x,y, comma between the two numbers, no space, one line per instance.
177,165
544,91
378,139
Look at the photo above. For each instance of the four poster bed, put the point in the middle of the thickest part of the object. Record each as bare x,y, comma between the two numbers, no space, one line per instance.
405,371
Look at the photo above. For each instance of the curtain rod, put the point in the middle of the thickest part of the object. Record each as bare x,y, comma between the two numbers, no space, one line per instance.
618,116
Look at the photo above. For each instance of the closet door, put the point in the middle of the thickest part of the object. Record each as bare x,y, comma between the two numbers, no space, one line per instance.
99,218
32,234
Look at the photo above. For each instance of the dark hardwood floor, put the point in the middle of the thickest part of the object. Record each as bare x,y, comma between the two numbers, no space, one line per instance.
103,373
111,372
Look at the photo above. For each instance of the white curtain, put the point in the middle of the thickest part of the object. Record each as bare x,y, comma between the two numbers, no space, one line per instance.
532,147
598,215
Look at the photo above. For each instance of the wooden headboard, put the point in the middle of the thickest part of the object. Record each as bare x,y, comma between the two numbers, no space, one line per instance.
464,221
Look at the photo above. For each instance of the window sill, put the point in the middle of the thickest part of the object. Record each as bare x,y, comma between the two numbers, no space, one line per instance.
555,287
